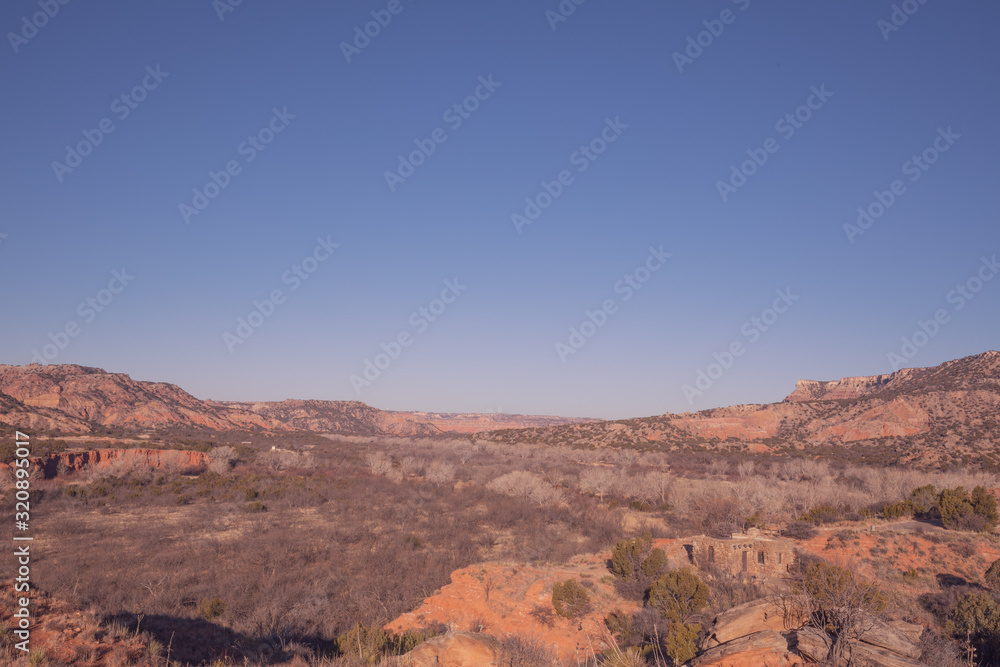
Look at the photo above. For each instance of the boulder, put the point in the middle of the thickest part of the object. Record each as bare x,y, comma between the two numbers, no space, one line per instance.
760,649
813,644
455,649
866,654
912,631
751,617
893,637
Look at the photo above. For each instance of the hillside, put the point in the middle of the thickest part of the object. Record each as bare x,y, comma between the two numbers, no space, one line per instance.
78,399
70,399
944,414
357,418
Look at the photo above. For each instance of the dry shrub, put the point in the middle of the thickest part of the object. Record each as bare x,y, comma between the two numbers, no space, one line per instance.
379,463
440,472
525,651
526,486
278,460
221,459
800,530
597,481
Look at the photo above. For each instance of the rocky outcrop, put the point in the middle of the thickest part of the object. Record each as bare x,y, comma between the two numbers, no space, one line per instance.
510,599
754,633
767,648
845,388
455,649
182,462
75,399
754,617
919,415
813,644
866,654
895,636
882,645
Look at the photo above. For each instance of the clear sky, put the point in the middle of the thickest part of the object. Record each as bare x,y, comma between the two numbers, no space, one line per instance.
608,119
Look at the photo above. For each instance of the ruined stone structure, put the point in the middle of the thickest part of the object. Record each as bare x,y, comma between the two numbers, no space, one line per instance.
753,555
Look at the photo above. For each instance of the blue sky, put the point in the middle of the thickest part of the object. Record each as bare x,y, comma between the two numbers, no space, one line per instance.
501,343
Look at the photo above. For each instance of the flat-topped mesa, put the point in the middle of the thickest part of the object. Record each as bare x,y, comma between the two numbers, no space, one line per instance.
959,374
845,388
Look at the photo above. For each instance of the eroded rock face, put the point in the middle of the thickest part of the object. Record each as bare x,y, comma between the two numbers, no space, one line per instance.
756,631
941,408
895,637
884,645
71,398
183,462
814,644
753,617
866,654
845,388
520,603
767,648
455,649
74,399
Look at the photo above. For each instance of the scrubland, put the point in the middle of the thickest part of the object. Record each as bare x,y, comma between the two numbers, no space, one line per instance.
269,557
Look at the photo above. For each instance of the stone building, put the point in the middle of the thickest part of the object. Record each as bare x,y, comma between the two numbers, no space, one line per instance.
754,554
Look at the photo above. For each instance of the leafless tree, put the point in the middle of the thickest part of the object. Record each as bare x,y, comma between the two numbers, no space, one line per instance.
718,468
464,453
526,486
281,459
440,472
411,465
379,463
221,459
838,600
654,487
598,481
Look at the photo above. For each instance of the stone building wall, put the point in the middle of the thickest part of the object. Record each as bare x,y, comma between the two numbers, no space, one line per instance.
753,555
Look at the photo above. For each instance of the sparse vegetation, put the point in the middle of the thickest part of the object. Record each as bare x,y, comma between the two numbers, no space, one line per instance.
570,599
397,517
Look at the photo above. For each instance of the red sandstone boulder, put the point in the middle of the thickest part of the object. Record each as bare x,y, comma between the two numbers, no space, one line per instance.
753,617
455,649
761,649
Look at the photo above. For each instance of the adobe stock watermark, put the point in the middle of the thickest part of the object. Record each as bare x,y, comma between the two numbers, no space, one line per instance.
900,14
786,126
594,320
958,298
122,106
223,7
3,237
419,321
915,167
455,116
363,36
581,159
87,310
248,149
714,28
562,12
30,25
263,309
751,331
